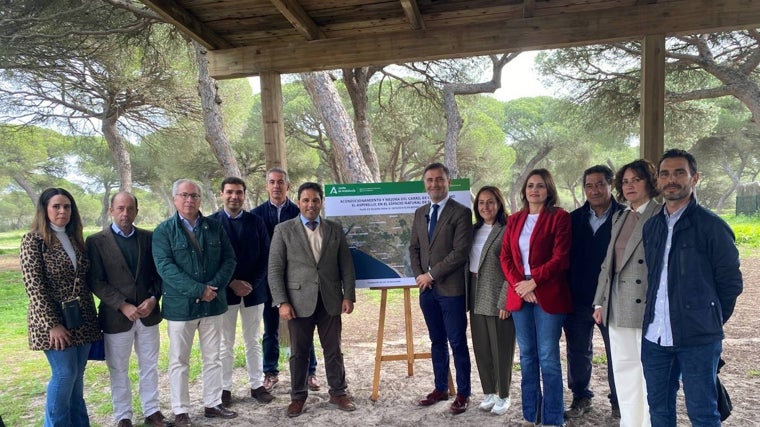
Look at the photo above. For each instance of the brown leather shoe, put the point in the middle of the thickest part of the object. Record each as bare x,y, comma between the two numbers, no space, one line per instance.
262,395
296,408
182,420
219,411
126,422
313,383
459,405
226,398
343,403
270,380
156,419
434,397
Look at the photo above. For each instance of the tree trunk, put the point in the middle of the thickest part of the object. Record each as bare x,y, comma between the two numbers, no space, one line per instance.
454,120
338,126
118,146
105,203
514,190
454,124
27,187
357,84
213,122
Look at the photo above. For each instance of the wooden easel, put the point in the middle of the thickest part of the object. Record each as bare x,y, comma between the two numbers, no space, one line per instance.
410,356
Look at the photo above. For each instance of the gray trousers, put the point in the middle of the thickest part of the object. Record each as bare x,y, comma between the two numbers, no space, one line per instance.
493,341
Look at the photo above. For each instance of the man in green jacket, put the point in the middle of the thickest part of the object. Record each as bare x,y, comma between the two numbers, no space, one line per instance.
195,259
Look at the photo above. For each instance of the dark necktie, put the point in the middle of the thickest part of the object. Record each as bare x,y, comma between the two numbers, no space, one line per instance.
312,225
433,221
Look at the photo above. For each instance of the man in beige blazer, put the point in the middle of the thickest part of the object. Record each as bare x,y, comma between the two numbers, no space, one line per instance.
439,248
312,281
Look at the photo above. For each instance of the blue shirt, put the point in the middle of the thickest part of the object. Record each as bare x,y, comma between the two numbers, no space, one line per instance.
118,231
596,221
660,328
304,220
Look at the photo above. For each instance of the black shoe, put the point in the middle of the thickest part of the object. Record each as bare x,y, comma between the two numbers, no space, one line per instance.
262,395
579,407
219,411
226,398
615,410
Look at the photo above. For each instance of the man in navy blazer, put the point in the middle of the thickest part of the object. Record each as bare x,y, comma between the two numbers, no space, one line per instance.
247,291
439,249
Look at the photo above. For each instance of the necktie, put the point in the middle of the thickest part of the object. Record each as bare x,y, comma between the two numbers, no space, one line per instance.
433,221
312,225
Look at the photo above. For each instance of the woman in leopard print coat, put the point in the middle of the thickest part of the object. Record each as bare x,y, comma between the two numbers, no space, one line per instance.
53,265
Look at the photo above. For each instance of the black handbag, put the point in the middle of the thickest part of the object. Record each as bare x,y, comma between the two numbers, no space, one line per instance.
724,400
72,314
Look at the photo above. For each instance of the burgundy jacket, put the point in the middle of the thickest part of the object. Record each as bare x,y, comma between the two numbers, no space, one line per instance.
549,260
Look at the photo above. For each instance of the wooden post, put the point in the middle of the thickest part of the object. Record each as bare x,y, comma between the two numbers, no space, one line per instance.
274,127
409,356
652,142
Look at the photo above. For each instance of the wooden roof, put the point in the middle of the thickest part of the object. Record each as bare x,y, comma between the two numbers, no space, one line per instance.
247,37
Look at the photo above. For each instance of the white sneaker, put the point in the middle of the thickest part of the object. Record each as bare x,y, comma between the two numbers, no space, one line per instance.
488,401
501,405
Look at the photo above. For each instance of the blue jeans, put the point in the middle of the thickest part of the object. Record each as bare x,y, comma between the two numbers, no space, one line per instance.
64,405
270,342
538,335
696,365
446,320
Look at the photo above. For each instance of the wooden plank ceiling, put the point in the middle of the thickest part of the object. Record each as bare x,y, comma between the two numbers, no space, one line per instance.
248,37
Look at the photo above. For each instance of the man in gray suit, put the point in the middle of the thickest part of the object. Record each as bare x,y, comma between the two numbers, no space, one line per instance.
439,248
312,281
123,276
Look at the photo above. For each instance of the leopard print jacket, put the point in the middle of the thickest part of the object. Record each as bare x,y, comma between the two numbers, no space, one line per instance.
49,279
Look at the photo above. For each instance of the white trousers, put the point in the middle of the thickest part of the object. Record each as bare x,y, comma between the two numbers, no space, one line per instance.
250,318
181,336
625,346
146,341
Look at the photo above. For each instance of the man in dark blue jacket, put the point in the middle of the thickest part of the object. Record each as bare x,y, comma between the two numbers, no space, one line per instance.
694,280
591,229
247,291
274,211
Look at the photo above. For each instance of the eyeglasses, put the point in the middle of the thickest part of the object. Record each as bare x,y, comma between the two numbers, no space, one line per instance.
632,181
194,196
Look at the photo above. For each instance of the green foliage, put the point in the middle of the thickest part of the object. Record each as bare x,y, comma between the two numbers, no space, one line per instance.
746,229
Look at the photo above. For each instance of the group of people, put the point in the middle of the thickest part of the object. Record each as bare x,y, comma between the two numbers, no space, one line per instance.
205,271
659,281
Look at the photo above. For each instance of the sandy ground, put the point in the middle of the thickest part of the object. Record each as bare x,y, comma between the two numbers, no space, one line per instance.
396,405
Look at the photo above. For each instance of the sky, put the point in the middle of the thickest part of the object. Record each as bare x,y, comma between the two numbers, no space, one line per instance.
518,79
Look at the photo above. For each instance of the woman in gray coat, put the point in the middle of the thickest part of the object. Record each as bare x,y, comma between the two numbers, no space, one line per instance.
621,291
493,331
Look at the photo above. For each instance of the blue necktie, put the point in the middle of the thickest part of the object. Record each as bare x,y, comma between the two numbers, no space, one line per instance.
433,221
312,225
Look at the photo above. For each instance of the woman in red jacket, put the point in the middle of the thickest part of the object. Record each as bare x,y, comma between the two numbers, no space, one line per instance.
535,259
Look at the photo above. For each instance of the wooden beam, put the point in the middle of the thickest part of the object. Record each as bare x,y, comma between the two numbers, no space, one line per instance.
599,26
529,6
301,21
187,23
413,15
274,125
652,138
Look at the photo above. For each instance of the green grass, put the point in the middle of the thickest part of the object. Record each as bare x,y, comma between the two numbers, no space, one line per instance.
754,373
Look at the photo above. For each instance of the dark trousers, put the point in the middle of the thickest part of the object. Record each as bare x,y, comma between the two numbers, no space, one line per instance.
302,340
579,333
446,320
270,342
493,341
